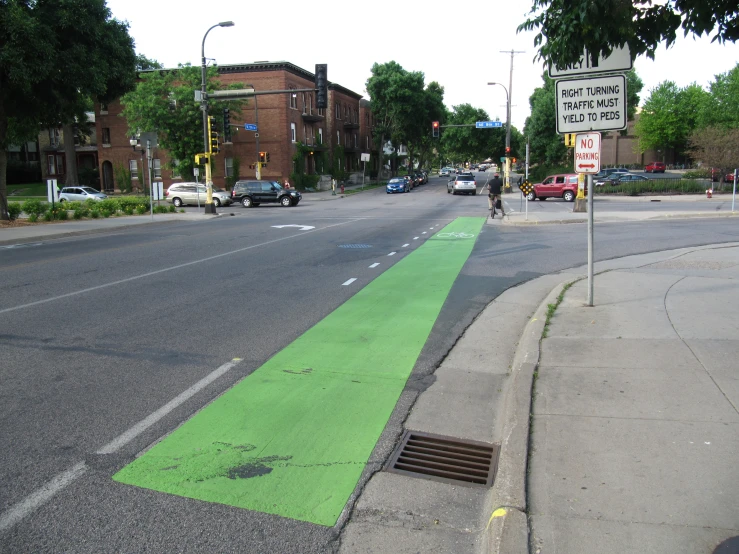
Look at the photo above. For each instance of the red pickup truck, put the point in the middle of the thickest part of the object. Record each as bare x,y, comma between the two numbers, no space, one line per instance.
556,186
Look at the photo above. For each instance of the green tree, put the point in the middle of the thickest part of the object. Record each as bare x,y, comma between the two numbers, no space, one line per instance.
566,28
469,144
716,147
395,94
722,104
418,135
545,145
669,116
163,102
144,64
55,57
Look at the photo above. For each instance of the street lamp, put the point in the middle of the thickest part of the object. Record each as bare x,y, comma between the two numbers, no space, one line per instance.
135,141
507,131
209,206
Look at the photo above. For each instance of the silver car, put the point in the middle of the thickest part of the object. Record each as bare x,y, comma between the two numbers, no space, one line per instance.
181,194
462,183
80,194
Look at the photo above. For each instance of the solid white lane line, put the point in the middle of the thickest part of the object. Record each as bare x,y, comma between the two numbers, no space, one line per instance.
127,436
392,253
416,238
38,498
166,269
406,244
350,281
374,265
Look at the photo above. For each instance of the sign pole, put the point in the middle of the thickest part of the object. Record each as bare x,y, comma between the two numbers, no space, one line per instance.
590,240
733,194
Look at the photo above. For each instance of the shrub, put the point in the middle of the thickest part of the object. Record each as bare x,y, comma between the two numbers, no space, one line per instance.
34,206
14,210
172,209
123,178
110,205
141,209
161,209
62,214
128,210
94,213
48,216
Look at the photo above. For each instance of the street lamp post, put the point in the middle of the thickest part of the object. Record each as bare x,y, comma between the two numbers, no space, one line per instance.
507,133
209,206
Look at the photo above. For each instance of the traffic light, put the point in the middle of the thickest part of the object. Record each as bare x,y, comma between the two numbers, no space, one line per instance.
321,86
507,150
262,157
213,135
226,125
435,128
267,156
513,160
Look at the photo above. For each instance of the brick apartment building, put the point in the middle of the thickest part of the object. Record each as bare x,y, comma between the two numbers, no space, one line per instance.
283,121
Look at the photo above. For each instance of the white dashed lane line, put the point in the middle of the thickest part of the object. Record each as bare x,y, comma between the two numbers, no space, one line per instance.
374,265
349,282
392,253
406,244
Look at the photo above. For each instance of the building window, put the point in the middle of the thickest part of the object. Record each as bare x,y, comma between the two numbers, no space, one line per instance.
106,136
338,110
60,164
310,103
157,166
293,99
355,140
176,169
51,160
54,137
338,138
320,136
320,111
366,142
133,167
103,108
229,167
293,135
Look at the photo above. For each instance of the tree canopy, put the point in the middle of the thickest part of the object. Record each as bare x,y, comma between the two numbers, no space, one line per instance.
55,58
469,144
566,28
163,102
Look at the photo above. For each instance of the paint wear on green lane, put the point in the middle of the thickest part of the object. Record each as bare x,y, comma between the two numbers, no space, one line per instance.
293,437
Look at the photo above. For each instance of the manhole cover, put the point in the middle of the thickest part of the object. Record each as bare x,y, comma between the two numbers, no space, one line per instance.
355,246
445,459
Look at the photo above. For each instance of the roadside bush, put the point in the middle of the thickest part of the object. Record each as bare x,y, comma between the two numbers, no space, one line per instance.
141,209
697,174
94,213
172,209
109,205
14,210
162,209
34,207
61,214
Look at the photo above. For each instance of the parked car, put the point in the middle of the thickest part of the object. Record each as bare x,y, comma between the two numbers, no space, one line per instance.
181,194
397,184
624,178
655,167
462,183
420,177
556,186
716,176
254,193
411,181
80,194
605,176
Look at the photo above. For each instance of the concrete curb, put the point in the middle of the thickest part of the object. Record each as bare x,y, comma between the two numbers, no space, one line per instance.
507,529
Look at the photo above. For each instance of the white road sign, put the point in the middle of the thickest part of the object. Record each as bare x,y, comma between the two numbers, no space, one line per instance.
619,60
594,104
587,153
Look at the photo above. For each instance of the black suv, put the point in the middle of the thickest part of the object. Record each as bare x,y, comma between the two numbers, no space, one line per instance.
253,193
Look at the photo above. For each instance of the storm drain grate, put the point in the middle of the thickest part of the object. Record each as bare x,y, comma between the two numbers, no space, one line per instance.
445,459
355,246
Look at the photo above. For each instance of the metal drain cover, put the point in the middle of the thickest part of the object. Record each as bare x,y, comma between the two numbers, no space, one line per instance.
445,459
355,246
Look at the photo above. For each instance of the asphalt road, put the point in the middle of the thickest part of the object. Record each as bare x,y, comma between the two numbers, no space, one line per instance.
102,331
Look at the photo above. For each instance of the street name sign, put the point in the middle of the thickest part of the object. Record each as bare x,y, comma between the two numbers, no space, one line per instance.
619,60
488,124
592,104
250,127
587,153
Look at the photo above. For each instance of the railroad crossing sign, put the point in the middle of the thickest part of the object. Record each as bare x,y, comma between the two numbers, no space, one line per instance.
587,152
526,187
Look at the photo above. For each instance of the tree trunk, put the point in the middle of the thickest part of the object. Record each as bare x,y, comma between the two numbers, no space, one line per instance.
70,156
3,164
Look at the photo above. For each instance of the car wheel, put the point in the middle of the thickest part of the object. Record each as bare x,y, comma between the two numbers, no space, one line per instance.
286,201
474,193
568,196
246,202
448,191
216,203
62,200
531,196
177,202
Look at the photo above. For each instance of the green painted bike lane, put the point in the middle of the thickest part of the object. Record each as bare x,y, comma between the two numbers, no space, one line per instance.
293,438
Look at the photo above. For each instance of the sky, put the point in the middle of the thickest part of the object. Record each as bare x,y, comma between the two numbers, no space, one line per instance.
463,48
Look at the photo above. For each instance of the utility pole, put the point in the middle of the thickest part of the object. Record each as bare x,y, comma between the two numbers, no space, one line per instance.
508,121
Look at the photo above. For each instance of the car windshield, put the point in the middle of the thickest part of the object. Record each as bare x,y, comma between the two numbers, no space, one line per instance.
89,190
465,178
397,180
276,185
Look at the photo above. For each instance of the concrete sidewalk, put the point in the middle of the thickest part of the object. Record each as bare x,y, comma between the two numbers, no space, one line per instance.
635,438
